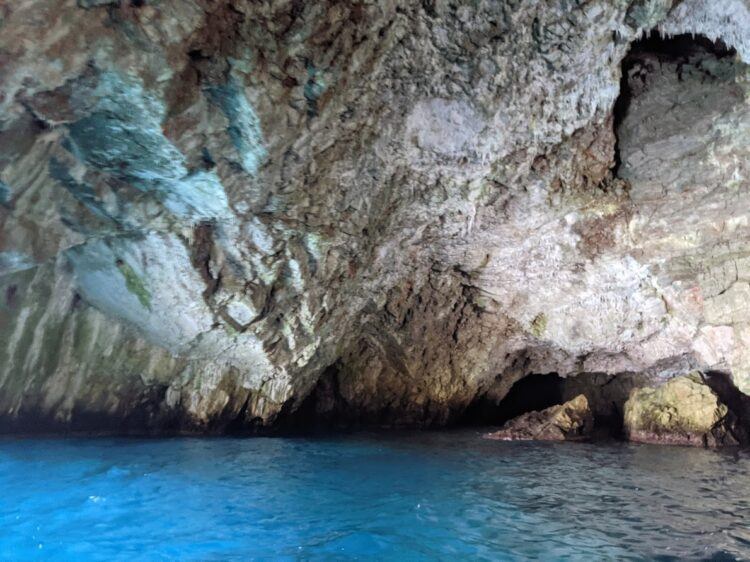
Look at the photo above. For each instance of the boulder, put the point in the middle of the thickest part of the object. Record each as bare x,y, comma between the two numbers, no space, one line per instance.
570,421
683,411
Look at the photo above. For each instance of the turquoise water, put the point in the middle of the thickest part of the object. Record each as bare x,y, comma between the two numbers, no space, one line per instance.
411,496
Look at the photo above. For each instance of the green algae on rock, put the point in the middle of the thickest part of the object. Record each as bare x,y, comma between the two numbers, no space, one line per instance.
134,284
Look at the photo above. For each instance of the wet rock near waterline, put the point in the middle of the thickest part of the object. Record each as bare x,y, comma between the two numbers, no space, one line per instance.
571,421
606,395
682,411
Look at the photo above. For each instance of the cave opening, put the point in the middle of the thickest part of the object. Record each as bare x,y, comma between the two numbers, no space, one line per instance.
606,395
531,393
325,407
321,409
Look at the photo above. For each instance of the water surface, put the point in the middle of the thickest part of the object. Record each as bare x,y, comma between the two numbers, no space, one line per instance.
412,496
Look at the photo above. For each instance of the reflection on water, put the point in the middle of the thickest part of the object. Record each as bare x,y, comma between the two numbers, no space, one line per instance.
448,495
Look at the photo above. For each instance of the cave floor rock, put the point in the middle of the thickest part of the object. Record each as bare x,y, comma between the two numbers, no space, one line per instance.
571,421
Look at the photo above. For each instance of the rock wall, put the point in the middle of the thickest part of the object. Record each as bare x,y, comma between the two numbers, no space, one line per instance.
683,411
208,209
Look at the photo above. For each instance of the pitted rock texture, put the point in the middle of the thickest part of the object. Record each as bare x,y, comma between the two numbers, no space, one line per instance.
571,421
206,205
683,411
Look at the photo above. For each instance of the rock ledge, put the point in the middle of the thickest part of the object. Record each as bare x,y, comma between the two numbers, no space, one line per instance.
571,421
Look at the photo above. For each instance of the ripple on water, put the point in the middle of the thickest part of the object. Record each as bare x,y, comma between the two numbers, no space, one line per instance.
410,496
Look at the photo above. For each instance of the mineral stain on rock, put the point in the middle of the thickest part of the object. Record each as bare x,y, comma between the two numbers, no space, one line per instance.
412,207
134,284
243,124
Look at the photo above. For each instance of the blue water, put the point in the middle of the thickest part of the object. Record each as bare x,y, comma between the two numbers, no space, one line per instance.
412,496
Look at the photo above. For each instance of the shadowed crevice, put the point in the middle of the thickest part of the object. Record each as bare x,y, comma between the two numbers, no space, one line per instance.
735,400
533,392
654,48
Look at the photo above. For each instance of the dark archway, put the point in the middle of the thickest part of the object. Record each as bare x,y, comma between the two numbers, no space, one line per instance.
533,392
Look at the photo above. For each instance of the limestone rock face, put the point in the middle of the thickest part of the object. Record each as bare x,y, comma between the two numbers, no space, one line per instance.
207,205
683,411
570,421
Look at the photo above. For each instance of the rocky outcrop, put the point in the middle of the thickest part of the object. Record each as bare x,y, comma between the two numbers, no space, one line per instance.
683,411
214,212
571,421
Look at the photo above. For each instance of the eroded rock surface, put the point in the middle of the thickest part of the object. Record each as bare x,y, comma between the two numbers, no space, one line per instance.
571,421
205,206
683,411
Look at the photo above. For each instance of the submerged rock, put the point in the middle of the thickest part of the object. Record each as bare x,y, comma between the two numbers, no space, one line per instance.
571,421
683,411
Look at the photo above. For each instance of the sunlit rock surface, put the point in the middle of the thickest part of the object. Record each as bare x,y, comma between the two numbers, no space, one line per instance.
209,209
683,411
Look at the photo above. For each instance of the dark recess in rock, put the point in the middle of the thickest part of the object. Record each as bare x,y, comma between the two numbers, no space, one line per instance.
321,410
534,392
147,419
737,403
679,49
